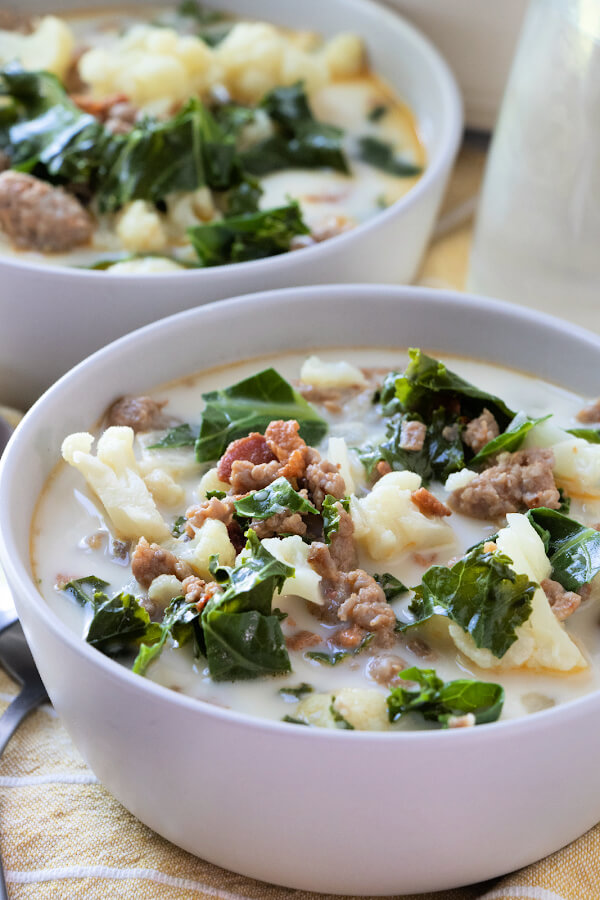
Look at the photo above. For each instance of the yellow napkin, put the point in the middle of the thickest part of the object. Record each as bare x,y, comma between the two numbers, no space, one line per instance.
63,836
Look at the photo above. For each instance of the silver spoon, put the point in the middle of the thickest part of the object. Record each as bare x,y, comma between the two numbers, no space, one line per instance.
17,661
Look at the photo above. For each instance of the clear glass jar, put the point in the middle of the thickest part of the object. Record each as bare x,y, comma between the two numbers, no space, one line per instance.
537,234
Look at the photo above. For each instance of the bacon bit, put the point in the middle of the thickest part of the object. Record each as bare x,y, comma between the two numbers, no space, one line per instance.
383,468
252,448
428,503
98,107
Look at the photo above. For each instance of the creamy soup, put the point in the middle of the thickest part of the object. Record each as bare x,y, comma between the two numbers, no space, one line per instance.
181,138
377,525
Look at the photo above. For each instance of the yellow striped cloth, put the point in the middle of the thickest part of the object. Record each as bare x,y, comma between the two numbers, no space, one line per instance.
63,836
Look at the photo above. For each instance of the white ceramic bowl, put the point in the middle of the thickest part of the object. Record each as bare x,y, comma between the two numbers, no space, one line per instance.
361,813
478,40
53,316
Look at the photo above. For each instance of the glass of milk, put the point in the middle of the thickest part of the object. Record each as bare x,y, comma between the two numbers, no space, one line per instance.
537,235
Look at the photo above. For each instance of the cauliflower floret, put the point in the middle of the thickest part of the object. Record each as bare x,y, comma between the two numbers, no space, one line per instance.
48,47
188,209
344,55
543,642
164,488
153,66
363,709
150,265
331,374
210,481
294,552
387,522
256,57
114,476
459,479
211,539
337,453
164,588
576,461
140,229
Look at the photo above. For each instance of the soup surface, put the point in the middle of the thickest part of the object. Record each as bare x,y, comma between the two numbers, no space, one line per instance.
182,137
411,563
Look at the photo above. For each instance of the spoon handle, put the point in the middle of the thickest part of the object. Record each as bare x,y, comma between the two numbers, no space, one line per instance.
25,702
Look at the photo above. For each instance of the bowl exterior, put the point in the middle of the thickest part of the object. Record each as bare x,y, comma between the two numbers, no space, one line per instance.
324,811
52,316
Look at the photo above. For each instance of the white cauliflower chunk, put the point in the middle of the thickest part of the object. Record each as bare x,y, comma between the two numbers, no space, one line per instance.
459,479
543,642
150,265
164,588
211,539
322,374
154,67
294,552
210,481
576,462
387,522
256,57
48,47
114,476
140,229
362,709
164,488
337,453
344,55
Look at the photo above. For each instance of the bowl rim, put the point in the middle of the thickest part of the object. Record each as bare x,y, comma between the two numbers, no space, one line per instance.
451,128
19,574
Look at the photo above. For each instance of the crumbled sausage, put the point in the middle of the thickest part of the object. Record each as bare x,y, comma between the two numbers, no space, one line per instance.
481,431
384,669
214,508
280,523
150,560
450,432
420,648
412,435
332,398
37,216
353,597
115,111
519,481
342,546
349,638
198,591
366,606
563,602
139,413
252,449
11,20
301,640
254,462
590,414
324,477
428,503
